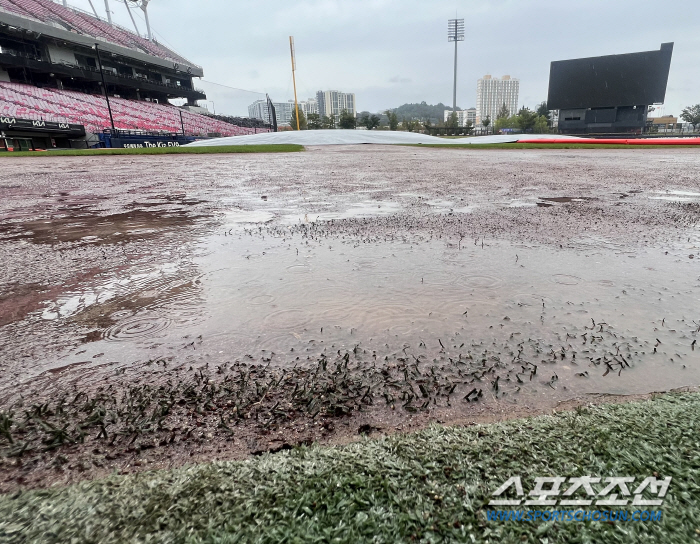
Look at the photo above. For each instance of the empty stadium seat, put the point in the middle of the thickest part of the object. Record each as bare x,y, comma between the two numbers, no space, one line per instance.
29,102
48,11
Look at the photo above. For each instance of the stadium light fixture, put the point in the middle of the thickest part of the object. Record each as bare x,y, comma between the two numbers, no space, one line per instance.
104,86
455,33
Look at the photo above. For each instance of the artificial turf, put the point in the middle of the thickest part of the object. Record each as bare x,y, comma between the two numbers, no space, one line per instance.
181,150
430,486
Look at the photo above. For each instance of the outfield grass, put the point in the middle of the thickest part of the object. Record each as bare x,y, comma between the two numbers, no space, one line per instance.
552,146
432,486
269,148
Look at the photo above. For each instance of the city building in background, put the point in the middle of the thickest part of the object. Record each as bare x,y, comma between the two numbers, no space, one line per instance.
463,116
259,110
492,93
331,103
665,123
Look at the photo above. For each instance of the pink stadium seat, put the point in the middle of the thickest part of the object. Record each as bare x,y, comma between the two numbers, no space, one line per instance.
6,5
28,102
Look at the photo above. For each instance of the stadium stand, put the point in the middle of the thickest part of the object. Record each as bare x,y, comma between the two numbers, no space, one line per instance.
48,11
28,102
50,70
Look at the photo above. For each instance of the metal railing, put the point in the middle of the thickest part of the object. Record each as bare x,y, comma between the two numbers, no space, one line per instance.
12,52
137,78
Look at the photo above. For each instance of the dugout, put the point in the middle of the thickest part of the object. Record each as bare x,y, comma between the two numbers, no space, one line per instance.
32,134
141,139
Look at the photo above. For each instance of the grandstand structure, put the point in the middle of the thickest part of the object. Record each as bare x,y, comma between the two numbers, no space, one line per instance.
50,71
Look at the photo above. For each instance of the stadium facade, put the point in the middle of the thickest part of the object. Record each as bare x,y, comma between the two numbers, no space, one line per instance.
50,72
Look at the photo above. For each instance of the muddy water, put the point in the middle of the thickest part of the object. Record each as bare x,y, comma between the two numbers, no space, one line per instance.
245,296
312,269
532,278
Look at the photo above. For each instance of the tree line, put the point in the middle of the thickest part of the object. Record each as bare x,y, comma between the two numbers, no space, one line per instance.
536,121
526,120
346,120
691,115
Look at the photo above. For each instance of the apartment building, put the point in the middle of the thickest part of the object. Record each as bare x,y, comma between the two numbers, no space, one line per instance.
492,93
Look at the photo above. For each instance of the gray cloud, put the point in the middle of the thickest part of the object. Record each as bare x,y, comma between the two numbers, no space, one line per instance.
393,51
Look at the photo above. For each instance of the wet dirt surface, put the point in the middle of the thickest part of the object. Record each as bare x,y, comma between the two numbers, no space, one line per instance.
162,310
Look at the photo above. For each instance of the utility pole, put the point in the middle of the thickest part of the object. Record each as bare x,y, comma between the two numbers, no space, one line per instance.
294,80
182,124
455,33
104,85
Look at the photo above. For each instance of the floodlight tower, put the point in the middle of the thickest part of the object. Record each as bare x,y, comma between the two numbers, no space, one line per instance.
455,33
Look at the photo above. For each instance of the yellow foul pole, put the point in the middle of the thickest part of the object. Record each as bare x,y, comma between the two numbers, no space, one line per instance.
294,80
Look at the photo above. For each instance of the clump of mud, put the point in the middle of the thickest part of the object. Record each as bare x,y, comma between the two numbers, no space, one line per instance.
245,407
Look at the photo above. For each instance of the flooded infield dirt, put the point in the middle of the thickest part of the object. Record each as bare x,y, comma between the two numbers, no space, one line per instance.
160,310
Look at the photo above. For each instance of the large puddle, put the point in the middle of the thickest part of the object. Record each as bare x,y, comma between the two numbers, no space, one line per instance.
207,307
512,259
598,319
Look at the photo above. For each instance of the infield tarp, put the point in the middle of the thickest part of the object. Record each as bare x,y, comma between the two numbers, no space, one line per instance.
350,137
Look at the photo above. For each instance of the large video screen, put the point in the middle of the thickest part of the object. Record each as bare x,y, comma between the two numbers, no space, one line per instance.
613,80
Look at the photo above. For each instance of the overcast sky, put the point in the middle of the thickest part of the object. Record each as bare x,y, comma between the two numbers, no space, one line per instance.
389,52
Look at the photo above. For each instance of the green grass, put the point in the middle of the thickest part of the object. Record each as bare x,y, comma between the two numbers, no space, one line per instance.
431,486
268,148
552,146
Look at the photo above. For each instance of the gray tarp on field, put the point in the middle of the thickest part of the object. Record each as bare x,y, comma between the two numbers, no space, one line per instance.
349,137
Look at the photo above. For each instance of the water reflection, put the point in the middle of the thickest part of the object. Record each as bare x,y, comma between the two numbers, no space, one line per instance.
300,300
